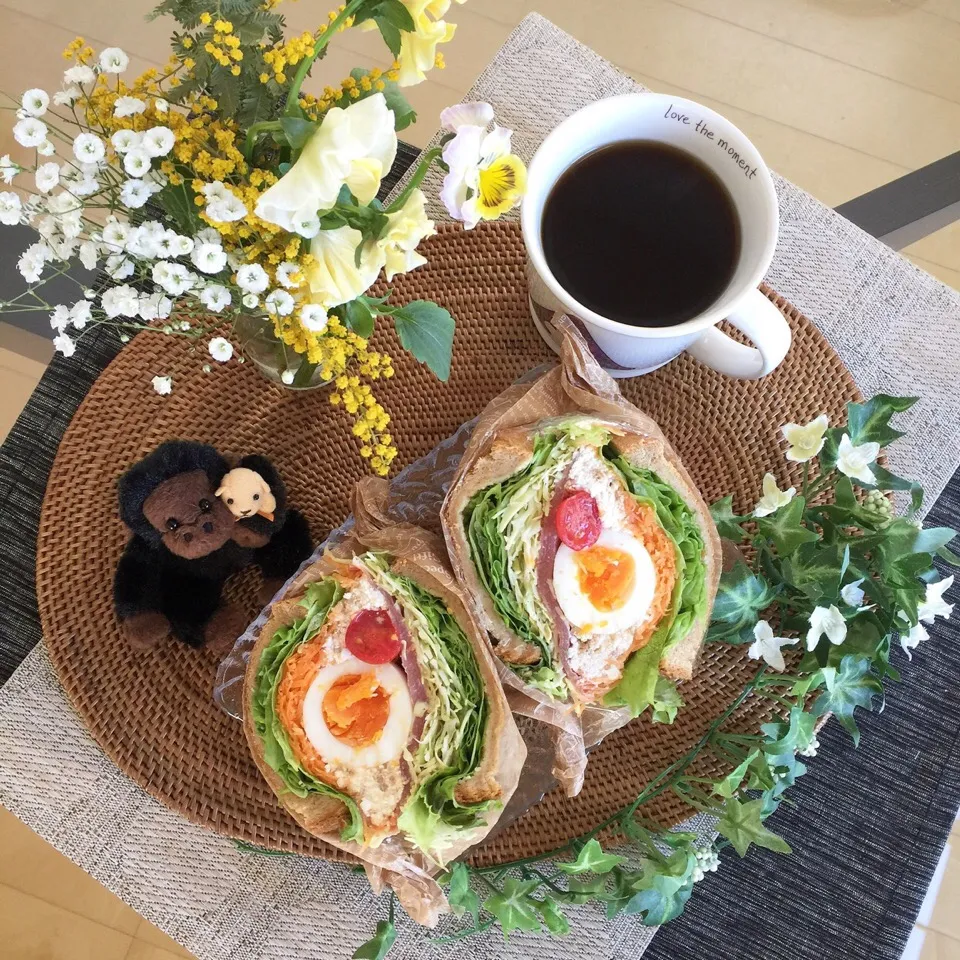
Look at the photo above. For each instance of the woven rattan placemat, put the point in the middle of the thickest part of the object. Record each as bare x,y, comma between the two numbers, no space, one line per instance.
153,713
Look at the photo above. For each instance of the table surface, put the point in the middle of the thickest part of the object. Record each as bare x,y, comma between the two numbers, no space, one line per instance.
867,827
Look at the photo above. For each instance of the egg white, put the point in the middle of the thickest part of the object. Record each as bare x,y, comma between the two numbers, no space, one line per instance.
577,606
396,731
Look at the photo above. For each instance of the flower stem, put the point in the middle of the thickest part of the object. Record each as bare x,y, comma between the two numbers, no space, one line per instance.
293,94
415,180
304,374
262,126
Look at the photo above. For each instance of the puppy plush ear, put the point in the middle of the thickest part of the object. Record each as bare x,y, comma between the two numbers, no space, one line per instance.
220,491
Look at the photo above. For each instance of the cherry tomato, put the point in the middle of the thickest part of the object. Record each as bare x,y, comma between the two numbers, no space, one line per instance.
372,637
578,520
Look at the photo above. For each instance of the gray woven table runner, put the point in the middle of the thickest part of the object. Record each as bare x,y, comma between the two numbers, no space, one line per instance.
896,328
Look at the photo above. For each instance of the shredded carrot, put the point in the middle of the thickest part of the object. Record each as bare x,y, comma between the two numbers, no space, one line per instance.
643,523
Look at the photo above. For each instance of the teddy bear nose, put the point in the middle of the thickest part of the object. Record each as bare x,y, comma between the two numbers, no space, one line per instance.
208,527
187,537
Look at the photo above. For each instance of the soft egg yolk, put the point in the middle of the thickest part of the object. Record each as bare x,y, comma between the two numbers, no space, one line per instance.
356,709
606,576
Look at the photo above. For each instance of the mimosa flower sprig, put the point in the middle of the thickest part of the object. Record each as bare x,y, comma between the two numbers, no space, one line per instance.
217,189
842,578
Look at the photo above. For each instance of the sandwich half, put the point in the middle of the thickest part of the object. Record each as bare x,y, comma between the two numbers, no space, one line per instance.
375,713
592,559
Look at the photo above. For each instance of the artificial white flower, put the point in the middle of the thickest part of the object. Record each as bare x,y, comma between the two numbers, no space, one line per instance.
64,345
355,146
81,313
88,148
120,301
60,318
160,105
47,176
805,441
209,257
829,621
767,647
155,307
30,132
217,190
405,229
89,254
286,377
85,187
285,275
307,229
773,497
184,245
473,114
158,141
852,594
46,149
911,640
227,209
137,163
484,179
810,750
166,244
313,317
8,169
175,278
10,208
116,233
32,261
933,605
135,193
34,102
113,60
209,235
279,302
220,349
215,297
163,385
252,278
128,106
854,459
251,301
124,140
119,267
145,240
81,74
334,277
68,96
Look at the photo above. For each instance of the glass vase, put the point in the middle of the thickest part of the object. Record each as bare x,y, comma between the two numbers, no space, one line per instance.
275,360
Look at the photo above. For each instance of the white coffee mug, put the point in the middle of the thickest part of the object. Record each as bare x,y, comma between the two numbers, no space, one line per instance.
627,350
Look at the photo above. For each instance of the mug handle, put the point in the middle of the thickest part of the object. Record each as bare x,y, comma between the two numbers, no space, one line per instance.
764,324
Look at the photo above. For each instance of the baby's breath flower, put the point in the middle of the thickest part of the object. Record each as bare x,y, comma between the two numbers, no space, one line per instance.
128,106
113,60
220,349
64,345
287,377
88,148
30,132
35,102
163,385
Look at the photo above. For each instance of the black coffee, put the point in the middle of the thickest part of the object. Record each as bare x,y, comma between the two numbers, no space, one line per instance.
642,233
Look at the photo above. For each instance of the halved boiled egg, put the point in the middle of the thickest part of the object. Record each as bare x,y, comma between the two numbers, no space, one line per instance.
358,713
608,586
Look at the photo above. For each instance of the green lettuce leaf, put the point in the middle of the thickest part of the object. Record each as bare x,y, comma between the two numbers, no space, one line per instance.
451,745
319,598
638,685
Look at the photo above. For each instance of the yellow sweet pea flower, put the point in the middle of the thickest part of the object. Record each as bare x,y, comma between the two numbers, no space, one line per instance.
355,146
333,275
407,227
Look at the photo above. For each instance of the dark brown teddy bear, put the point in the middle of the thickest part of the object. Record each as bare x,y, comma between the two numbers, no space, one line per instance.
186,543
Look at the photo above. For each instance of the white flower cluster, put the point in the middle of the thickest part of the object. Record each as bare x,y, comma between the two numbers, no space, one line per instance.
707,862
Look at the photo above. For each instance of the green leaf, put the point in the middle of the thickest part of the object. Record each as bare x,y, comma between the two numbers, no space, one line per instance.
785,529
358,317
297,131
592,859
553,918
814,569
888,481
460,897
514,908
729,785
864,637
378,946
931,539
728,523
851,685
870,422
396,13
391,35
844,495
403,113
666,701
742,826
944,554
582,889
663,888
178,202
783,738
426,330
740,599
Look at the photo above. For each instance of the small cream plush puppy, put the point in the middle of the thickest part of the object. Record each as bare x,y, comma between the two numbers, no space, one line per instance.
246,493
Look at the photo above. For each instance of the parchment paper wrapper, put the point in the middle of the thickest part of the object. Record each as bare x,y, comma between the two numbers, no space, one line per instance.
420,555
578,385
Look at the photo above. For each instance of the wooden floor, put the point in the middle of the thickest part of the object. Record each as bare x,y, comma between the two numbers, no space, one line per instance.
839,95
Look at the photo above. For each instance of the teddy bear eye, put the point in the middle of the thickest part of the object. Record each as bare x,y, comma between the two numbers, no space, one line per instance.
205,505
230,500
256,496
172,523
